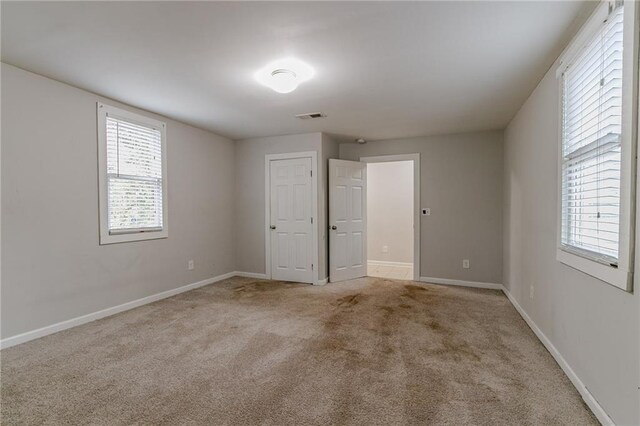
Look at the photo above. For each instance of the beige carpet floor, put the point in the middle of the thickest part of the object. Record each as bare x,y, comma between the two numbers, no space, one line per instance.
245,351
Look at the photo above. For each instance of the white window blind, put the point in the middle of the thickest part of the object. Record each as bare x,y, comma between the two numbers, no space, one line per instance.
134,176
591,145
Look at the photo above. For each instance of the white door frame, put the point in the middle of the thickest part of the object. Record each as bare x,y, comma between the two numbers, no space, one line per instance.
314,206
416,200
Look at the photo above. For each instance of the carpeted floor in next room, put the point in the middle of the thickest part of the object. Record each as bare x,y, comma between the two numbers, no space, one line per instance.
245,351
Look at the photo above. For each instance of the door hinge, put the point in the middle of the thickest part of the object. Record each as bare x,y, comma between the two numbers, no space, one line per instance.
312,266
311,220
311,173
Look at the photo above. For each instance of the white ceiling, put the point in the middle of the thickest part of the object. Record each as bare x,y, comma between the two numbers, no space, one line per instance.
383,69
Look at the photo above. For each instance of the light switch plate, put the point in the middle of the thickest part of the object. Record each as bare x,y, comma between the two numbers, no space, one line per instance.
426,212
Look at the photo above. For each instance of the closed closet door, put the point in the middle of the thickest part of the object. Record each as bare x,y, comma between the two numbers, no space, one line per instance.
291,225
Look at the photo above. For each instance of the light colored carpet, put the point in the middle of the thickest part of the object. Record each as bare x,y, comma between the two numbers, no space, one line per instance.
245,351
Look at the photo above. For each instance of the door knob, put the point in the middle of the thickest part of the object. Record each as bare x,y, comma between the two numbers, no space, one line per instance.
272,227
333,228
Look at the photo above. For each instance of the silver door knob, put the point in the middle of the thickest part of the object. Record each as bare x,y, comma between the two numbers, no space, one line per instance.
272,227
333,228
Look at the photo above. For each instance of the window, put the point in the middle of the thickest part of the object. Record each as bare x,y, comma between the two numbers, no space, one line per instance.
591,145
597,152
132,153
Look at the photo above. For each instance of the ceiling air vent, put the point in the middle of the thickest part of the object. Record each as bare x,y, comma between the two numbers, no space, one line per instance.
310,115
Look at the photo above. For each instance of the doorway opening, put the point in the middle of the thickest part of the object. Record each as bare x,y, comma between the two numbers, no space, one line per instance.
391,217
350,230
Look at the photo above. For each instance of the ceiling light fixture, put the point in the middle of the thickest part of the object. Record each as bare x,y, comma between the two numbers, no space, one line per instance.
283,81
284,75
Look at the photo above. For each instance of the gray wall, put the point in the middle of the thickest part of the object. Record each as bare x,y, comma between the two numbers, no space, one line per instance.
53,268
250,196
461,181
594,326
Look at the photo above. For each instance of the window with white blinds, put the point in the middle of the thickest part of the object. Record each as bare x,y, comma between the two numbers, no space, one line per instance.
592,87
132,176
134,173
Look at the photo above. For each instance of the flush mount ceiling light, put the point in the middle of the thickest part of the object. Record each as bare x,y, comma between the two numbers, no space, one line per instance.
283,81
284,75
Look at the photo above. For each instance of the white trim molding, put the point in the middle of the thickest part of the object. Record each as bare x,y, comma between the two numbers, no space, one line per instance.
416,200
250,275
388,263
74,322
588,398
461,283
106,235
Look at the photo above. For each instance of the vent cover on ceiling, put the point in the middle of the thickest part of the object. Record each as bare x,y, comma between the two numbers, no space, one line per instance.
310,115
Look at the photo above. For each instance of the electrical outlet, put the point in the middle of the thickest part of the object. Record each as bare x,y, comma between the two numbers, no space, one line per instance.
531,291
385,249
190,265
465,263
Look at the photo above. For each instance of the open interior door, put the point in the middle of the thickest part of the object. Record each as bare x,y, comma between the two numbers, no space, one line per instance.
347,220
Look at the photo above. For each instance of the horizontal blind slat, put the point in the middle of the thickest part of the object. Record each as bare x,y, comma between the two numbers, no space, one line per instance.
591,143
134,176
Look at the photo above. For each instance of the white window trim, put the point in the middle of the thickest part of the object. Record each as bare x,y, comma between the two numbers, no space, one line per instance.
622,276
127,235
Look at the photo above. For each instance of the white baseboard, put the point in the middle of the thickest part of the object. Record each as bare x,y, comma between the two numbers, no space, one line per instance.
588,398
461,283
250,275
387,263
322,282
74,322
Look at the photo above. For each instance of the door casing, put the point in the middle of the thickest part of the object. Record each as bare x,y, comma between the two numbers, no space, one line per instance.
314,206
416,200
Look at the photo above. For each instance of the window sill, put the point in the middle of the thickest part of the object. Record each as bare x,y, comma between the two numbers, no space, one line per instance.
617,277
133,236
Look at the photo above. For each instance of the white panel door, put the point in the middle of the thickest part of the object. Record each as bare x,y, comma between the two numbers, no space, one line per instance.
347,220
291,220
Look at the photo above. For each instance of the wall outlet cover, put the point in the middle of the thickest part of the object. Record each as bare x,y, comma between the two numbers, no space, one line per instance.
465,263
